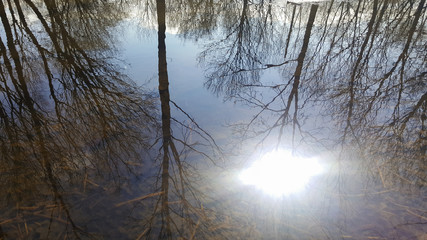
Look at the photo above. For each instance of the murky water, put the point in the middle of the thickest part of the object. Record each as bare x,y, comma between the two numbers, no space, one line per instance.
135,119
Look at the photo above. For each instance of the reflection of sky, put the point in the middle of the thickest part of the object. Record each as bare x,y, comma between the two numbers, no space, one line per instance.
187,90
186,82
186,79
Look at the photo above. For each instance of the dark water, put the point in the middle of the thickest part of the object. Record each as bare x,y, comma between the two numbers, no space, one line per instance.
133,119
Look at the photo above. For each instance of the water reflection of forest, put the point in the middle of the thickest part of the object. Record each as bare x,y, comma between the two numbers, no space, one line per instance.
85,153
359,64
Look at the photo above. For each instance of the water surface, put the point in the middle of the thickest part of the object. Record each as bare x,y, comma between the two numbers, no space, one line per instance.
135,119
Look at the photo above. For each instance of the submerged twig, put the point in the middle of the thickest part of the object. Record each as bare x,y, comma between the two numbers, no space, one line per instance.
139,198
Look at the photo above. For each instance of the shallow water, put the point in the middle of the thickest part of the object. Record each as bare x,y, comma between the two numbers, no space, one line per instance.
135,119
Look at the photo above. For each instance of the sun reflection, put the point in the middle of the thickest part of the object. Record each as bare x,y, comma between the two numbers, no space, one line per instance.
280,173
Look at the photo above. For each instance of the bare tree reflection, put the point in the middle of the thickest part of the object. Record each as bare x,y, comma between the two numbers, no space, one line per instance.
352,77
353,67
178,211
73,128
67,152
237,60
94,126
190,19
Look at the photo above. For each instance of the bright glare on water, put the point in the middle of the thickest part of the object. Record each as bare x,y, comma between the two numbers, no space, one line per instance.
280,173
